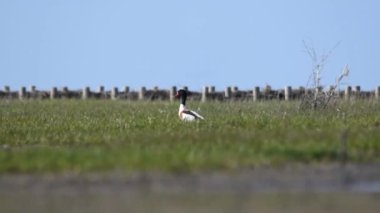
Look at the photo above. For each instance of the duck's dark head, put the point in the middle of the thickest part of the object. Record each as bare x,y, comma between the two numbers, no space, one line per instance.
182,94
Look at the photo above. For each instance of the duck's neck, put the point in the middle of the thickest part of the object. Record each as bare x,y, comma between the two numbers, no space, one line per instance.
183,100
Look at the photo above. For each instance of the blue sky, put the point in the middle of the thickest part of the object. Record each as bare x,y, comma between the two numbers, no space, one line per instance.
165,43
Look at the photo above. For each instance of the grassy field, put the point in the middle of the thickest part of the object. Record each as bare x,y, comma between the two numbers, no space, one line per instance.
84,136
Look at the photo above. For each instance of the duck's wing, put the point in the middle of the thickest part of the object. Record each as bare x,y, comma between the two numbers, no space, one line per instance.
194,114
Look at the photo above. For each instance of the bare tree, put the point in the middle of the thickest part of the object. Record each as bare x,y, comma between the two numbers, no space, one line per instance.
315,97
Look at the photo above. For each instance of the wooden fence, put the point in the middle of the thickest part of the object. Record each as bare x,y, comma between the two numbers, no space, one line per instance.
208,93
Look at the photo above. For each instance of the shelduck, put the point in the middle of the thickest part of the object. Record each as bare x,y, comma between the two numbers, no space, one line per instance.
184,113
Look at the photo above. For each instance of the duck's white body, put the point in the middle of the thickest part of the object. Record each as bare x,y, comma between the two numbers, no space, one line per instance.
188,115
184,113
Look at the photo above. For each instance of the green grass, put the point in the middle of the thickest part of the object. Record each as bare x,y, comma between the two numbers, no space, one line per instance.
84,136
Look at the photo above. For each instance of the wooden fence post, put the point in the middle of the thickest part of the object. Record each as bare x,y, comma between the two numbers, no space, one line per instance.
377,93
126,89
33,91
101,91
347,93
357,92
7,89
86,93
53,93
142,93
204,94
114,93
22,93
172,93
211,89
227,92
302,92
256,94
211,92
288,93
65,92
